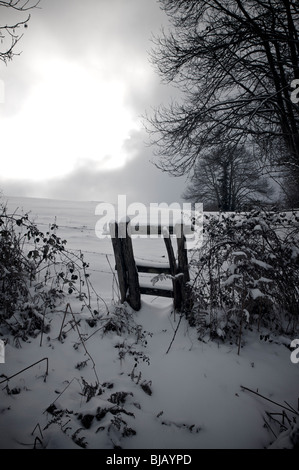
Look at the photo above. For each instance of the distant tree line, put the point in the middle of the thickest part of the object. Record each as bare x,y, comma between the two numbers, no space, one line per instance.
228,180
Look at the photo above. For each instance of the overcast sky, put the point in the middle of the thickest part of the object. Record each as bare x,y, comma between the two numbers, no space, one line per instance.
73,100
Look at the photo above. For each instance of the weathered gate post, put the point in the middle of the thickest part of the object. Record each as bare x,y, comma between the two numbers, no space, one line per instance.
183,268
133,297
119,261
177,294
125,264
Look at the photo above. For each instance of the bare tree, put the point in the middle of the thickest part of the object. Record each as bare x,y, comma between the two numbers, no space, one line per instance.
234,61
228,180
15,15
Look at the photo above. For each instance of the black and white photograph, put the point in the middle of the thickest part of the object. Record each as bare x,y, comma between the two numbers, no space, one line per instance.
149,227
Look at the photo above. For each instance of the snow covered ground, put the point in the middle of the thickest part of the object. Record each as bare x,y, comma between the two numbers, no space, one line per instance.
91,386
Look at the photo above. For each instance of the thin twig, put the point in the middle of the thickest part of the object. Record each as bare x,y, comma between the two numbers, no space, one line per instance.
268,399
270,415
35,440
62,324
176,330
268,426
82,342
86,279
114,278
44,359
61,393
286,416
43,327
38,426
290,407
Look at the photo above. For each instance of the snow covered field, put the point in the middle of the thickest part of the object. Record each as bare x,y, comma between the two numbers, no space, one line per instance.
108,389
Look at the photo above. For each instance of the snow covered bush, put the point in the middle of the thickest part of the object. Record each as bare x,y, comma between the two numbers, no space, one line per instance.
246,272
36,272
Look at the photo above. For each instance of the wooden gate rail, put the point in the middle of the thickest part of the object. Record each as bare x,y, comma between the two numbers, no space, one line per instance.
127,269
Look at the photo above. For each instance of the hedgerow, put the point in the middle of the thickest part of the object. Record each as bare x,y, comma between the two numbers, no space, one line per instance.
246,272
37,272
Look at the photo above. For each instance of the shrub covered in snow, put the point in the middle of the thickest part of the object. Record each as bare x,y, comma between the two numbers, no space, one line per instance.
246,272
36,272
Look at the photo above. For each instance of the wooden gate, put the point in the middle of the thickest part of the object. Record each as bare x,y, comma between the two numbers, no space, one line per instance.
127,269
